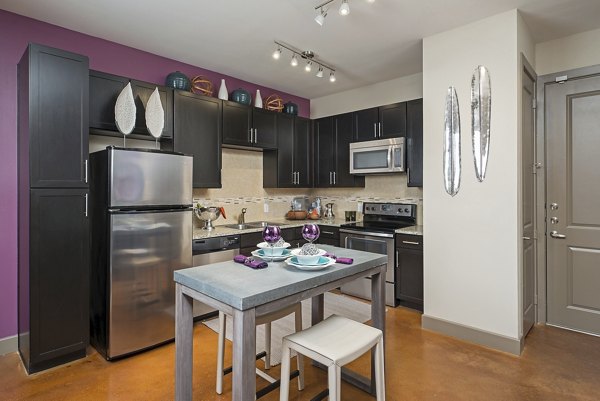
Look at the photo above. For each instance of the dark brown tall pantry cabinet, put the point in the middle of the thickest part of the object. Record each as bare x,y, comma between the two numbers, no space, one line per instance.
53,237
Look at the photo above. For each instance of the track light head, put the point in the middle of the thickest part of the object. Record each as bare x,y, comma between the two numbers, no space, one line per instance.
277,53
331,76
294,61
320,18
308,66
320,72
344,8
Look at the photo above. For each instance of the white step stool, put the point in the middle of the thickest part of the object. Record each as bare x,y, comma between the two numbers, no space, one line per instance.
334,342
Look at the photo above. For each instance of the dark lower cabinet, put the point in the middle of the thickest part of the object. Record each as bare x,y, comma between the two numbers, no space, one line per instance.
197,132
409,271
53,237
330,235
414,143
289,165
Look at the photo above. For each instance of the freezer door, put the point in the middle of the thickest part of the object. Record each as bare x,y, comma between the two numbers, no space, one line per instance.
145,249
149,178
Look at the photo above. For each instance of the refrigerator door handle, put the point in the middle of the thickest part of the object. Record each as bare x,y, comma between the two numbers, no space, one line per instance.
86,205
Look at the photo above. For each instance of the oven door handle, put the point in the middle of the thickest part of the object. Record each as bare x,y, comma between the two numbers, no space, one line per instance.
366,233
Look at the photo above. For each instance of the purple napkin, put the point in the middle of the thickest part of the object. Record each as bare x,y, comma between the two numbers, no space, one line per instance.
344,261
250,262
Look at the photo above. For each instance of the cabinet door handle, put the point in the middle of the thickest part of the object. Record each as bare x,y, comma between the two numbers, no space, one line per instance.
408,174
330,179
379,124
397,258
250,135
298,181
411,242
86,205
255,135
86,171
374,130
327,232
334,178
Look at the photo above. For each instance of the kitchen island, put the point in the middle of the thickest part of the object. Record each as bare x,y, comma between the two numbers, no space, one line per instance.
247,294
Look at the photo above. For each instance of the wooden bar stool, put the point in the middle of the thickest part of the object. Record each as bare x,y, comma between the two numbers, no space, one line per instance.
266,320
334,342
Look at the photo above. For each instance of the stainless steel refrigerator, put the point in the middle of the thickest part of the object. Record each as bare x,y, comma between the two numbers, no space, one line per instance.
141,215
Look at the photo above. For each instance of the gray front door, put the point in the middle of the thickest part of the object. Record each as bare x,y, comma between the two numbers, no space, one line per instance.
528,211
572,120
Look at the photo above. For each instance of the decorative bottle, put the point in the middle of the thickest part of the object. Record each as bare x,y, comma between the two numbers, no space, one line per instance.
258,100
223,94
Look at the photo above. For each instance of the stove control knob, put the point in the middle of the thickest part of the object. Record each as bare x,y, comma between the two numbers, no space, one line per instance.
406,210
226,242
399,210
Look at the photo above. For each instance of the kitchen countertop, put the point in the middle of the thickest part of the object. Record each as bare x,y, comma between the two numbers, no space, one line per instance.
412,230
221,230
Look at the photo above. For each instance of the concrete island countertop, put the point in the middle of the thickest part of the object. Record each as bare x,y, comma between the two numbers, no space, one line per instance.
221,231
242,287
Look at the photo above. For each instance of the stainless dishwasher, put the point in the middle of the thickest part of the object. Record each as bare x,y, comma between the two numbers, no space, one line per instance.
212,250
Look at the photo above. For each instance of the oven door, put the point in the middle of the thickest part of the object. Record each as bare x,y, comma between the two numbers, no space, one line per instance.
380,243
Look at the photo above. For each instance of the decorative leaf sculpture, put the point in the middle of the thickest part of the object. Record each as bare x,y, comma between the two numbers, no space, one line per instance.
125,111
452,143
481,109
155,115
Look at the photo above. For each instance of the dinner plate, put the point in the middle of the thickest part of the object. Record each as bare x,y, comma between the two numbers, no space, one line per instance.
260,253
326,262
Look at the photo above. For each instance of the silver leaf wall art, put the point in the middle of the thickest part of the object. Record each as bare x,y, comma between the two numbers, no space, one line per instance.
481,109
452,143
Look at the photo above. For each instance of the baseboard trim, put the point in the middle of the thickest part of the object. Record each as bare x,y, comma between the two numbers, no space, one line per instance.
9,344
473,335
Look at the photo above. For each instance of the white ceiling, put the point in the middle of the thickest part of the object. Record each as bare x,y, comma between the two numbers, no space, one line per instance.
376,42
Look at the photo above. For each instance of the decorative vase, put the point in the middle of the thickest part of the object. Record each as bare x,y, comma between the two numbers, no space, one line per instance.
178,80
241,96
223,94
258,100
290,108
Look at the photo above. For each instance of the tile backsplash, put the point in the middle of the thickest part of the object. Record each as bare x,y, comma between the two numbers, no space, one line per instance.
242,188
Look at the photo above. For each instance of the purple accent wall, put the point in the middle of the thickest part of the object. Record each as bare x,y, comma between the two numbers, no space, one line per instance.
15,33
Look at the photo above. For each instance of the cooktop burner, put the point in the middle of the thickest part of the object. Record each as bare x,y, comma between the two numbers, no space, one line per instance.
385,217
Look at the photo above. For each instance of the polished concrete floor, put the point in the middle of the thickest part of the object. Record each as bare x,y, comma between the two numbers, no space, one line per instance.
420,365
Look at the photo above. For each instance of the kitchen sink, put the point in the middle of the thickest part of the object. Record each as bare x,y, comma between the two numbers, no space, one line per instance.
262,224
239,226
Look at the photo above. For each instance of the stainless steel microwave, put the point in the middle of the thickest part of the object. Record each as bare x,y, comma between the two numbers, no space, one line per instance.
377,157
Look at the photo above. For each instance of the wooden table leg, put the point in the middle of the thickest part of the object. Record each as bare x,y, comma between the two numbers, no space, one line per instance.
184,335
317,309
244,355
377,315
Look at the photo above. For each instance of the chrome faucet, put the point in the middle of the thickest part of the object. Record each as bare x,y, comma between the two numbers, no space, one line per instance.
242,217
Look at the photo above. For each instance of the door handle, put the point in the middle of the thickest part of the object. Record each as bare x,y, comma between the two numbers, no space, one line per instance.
86,171
334,177
250,135
330,178
389,159
298,179
255,135
293,177
411,242
397,259
555,234
408,174
86,205
527,238
379,124
374,130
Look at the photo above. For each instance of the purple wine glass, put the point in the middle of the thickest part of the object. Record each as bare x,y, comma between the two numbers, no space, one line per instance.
271,234
311,232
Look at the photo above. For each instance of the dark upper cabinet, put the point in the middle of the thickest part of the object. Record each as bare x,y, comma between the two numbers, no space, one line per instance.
409,270
367,124
53,239
332,138
197,132
141,94
249,127
381,122
289,165
104,91
54,112
414,143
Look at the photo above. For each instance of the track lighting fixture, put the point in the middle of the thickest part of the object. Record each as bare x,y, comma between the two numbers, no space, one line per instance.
344,8
307,55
